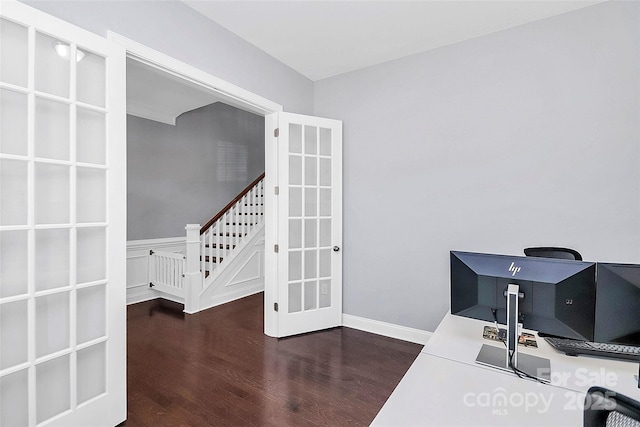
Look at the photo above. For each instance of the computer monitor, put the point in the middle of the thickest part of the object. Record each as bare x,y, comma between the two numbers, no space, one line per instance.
553,296
558,297
618,304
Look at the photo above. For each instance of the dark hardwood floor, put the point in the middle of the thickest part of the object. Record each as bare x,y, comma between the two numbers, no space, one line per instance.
218,368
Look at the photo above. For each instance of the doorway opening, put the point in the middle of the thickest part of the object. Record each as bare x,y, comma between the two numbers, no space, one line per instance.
166,94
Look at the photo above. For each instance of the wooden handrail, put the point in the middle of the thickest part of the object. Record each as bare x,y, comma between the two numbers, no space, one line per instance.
230,204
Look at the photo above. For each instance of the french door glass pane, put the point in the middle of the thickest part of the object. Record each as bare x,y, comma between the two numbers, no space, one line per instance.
325,142
325,232
310,264
14,49
295,233
310,201
92,378
310,140
13,334
295,265
325,172
295,170
310,295
13,113
310,233
90,139
91,254
52,259
325,262
310,170
52,193
91,78
295,202
52,388
52,129
91,195
13,192
295,297
325,293
13,263
52,68
52,323
295,138
14,391
325,202
91,313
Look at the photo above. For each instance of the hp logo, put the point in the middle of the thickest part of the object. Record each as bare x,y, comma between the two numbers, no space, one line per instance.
513,269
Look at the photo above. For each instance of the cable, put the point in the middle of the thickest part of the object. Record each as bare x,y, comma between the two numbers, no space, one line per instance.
516,371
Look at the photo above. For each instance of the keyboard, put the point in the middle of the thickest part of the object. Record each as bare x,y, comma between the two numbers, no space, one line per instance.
576,347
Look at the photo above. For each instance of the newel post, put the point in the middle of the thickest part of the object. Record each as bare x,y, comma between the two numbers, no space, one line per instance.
192,275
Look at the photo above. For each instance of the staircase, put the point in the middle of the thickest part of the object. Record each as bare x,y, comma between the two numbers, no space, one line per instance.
232,226
223,259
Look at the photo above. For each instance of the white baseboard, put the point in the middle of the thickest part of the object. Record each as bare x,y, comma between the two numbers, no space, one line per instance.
404,333
144,293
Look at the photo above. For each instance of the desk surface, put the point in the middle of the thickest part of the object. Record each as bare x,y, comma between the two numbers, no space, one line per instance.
459,339
442,392
445,387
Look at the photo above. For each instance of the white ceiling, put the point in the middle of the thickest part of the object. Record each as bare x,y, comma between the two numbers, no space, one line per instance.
320,39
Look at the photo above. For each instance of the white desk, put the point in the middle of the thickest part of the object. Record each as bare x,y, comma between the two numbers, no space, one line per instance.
445,387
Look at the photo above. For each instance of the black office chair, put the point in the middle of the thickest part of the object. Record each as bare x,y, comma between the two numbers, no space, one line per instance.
604,407
550,252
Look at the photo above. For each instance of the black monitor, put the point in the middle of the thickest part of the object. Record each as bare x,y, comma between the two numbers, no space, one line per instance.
557,296
618,304
553,296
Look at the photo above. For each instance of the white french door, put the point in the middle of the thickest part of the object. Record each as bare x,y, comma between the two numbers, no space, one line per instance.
62,223
306,286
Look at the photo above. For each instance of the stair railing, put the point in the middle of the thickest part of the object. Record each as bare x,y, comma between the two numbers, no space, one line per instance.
224,232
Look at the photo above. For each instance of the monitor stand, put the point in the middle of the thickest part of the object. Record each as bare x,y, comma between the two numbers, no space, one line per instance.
508,358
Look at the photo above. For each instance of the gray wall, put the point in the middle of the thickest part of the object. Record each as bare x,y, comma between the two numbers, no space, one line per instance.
525,137
186,173
175,29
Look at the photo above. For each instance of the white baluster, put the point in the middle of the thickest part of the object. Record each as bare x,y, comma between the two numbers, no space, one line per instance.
236,234
217,227
260,199
244,216
211,243
161,269
252,216
203,252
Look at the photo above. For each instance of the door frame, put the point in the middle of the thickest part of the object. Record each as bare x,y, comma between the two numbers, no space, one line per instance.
248,101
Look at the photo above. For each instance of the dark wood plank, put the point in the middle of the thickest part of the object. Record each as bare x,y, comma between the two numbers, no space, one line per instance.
217,368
